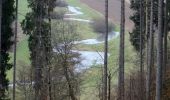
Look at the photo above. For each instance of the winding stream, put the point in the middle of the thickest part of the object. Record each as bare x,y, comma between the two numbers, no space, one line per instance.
88,58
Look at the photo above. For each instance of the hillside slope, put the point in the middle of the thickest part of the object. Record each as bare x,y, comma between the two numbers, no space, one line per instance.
114,10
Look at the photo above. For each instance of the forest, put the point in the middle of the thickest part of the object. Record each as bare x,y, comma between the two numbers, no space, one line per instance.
84,49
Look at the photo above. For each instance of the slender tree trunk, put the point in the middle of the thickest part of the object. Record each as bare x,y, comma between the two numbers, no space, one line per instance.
109,87
130,89
70,87
150,56
141,52
15,47
106,50
147,31
121,53
159,52
0,41
147,49
49,53
0,29
165,57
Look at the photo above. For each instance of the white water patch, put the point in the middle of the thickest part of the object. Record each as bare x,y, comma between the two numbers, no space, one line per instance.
74,10
21,83
88,59
77,19
88,41
111,35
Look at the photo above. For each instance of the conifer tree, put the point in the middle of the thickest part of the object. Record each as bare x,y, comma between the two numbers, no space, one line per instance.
7,18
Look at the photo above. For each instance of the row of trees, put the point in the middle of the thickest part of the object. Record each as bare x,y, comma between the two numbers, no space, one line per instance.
49,71
52,76
50,43
150,17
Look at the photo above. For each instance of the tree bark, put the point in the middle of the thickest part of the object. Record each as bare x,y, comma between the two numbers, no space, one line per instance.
159,52
165,57
141,52
15,49
121,53
109,87
106,51
150,55
0,39
49,53
0,28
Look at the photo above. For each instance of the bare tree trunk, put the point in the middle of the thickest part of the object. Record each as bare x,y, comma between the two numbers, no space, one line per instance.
165,57
0,31
70,87
49,54
147,31
15,49
0,41
109,87
147,50
141,52
150,56
106,51
130,89
121,53
159,52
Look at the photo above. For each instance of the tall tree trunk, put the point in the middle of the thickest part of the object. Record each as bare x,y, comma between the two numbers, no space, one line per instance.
165,57
109,86
38,53
159,52
141,52
49,53
106,50
130,88
150,55
0,40
70,87
146,29
0,29
121,53
15,47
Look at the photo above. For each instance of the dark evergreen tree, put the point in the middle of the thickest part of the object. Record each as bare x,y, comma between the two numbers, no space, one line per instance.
38,28
6,34
135,34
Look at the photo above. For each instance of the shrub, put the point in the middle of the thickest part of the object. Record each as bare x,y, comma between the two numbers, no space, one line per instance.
58,13
99,25
61,3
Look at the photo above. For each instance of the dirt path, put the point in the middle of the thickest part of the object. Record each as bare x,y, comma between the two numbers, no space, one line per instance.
114,10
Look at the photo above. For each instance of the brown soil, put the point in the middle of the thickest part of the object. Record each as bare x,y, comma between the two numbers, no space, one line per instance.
114,10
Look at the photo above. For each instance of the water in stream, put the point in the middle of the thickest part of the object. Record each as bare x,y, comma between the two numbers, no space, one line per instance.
88,58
